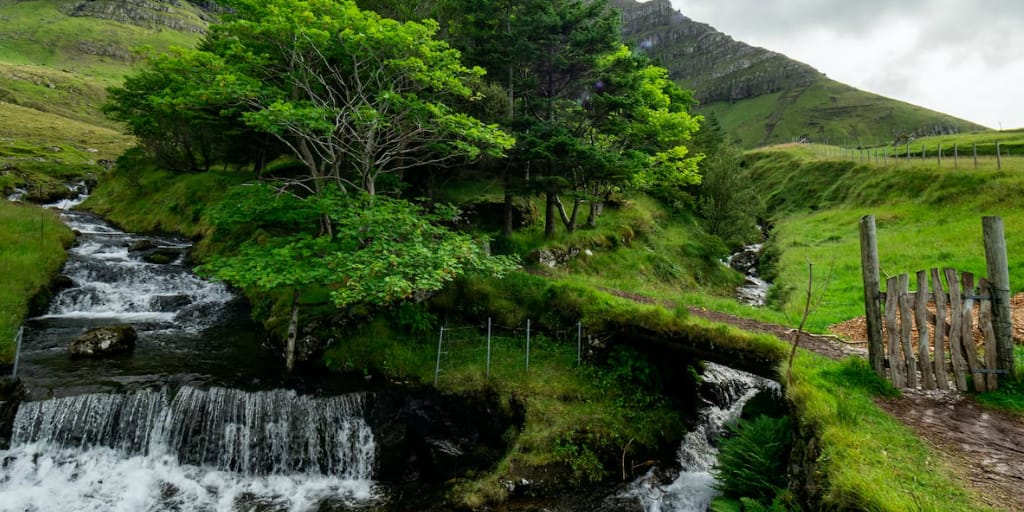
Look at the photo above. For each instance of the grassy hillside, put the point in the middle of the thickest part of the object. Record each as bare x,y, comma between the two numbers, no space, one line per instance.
926,217
59,56
827,111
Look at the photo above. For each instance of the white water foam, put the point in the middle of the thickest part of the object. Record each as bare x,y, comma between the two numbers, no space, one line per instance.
38,478
214,450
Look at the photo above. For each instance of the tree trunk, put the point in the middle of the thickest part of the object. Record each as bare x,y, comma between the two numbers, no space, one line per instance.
568,220
507,226
595,209
293,333
549,214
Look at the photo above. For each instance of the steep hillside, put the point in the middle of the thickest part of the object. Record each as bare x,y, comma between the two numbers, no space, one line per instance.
58,56
762,97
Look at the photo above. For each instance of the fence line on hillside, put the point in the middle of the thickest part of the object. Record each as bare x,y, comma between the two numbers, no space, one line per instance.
958,156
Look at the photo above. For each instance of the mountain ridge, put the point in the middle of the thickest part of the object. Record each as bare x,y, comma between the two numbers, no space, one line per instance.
762,97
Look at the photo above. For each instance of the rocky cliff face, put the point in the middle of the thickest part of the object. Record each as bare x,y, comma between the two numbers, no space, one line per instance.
714,65
155,14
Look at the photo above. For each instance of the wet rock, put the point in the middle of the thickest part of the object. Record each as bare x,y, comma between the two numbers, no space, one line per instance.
745,262
427,436
104,341
141,245
169,303
38,304
162,255
11,395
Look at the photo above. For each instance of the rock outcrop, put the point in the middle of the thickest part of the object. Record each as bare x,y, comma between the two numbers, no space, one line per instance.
715,65
156,14
102,341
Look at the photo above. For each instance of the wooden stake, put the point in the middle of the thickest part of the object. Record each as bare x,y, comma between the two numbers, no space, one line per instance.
906,325
872,294
999,273
921,317
941,377
967,334
985,324
892,330
956,351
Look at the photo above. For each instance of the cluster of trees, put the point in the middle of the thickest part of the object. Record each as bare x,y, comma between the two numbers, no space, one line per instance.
542,93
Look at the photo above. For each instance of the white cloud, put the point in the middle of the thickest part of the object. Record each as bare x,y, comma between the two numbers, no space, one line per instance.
957,57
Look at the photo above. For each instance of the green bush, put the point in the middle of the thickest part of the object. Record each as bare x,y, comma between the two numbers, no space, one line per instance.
753,463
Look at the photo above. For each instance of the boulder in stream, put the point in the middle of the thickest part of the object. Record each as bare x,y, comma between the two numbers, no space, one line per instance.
162,255
103,341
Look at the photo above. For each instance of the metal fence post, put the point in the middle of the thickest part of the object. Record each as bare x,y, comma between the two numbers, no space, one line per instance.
437,367
527,345
17,351
579,342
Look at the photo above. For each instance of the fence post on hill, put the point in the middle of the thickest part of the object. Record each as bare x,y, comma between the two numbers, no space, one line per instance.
940,154
908,151
872,293
956,156
924,155
488,347
975,155
999,289
527,345
999,158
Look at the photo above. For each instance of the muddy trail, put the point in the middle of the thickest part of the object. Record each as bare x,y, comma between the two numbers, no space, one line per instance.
985,445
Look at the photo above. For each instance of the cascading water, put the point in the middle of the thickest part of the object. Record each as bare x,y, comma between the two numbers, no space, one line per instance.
189,421
219,449
693,489
175,313
754,290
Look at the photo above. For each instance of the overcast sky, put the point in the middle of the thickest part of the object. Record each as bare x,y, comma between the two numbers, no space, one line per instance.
961,57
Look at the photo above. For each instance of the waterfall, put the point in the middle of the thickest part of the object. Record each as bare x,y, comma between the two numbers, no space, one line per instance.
693,489
216,449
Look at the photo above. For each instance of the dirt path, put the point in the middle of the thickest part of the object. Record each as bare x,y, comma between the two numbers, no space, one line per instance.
986,445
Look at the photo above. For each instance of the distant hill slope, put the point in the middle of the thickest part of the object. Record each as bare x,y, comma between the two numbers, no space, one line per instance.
763,97
57,56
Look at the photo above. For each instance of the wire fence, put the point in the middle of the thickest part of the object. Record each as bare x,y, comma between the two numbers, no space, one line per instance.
500,351
989,155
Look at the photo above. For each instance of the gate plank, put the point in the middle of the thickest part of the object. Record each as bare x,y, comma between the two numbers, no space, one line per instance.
956,351
906,325
921,317
941,378
985,324
967,334
893,332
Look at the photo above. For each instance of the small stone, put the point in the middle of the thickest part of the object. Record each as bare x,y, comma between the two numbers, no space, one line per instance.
104,341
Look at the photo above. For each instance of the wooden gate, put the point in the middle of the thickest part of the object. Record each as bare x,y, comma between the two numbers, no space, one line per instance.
941,333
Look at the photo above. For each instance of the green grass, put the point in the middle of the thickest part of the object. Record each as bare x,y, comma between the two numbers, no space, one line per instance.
825,111
559,400
32,242
926,217
1009,397
868,460
140,197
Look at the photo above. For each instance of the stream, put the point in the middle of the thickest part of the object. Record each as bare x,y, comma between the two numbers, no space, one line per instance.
194,419
201,417
693,488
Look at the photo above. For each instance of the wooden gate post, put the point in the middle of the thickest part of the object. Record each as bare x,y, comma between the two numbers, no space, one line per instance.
872,293
999,276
